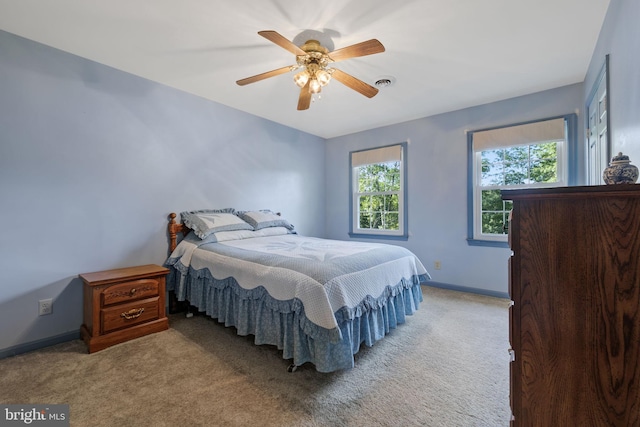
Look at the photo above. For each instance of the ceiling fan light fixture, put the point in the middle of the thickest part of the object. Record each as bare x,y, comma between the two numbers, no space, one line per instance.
301,78
315,86
323,77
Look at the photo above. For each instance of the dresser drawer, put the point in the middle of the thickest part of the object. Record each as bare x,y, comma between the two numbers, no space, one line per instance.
125,315
129,291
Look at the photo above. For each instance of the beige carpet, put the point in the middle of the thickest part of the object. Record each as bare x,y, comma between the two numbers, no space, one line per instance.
447,366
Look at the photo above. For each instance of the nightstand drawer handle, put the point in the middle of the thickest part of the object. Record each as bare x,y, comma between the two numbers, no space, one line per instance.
133,313
132,292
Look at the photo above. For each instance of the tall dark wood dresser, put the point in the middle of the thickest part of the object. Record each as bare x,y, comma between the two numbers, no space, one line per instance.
575,319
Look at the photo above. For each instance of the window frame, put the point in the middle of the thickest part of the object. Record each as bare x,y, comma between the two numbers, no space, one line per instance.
354,231
567,177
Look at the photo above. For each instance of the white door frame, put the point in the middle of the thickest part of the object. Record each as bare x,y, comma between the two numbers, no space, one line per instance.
597,135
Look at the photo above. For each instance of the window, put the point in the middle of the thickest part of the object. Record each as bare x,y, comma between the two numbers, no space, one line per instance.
378,193
526,155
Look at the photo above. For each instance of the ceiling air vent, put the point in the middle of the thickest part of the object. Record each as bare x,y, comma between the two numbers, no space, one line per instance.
385,81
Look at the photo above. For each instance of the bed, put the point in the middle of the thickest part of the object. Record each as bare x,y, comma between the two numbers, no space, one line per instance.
316,300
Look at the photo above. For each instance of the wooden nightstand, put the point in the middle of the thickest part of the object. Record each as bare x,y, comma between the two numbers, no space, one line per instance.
123,304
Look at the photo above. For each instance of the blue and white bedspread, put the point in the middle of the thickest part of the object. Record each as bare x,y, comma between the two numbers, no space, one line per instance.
316,299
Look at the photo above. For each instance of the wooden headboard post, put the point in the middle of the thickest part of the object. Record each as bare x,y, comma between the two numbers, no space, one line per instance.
175,228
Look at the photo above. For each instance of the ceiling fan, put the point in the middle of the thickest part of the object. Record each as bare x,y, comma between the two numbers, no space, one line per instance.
314,60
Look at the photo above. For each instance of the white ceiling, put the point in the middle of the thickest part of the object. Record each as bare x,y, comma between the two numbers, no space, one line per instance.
444,55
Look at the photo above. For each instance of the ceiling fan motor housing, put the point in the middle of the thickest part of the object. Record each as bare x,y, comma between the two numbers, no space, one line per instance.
315,54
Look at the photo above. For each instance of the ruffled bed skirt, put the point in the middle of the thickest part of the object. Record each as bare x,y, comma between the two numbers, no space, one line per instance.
284,324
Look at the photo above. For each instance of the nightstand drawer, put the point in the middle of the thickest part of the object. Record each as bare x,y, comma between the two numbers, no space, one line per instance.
129,291
125,315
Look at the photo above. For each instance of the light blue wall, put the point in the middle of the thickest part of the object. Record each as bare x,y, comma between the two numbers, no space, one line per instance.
92,160
620,39
437,184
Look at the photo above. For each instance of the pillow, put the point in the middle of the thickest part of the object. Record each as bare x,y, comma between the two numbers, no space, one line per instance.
263,219
207,221
224,236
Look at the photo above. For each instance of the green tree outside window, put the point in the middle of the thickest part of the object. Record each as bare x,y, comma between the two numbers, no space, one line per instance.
378,196
510,166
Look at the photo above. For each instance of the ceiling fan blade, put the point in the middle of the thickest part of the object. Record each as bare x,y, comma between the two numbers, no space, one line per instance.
305,97
353,83
361,49
281,41
263,76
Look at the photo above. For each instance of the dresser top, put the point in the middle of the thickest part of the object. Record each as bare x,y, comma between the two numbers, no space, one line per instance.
618,190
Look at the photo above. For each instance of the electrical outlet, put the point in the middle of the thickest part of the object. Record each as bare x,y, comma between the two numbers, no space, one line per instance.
437,265
45,306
